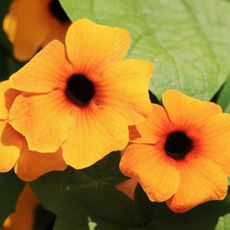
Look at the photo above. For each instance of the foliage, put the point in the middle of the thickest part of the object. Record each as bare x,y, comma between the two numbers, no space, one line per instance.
188,46
11,187
190,49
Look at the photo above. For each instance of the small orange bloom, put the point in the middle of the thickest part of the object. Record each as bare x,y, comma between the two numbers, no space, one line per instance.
83,97
23,217
28,165
182,152
31,24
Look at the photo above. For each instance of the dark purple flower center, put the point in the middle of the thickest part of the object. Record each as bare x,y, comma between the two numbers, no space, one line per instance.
80,89
178,145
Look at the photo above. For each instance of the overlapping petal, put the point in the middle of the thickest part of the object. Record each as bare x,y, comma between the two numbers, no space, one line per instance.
7,96
186,112
32,165
45,120
14,152
154,128
4,110
10,146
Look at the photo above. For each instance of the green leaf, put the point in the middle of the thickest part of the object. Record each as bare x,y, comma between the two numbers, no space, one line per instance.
43,219
188,41
77,195
224,97
209,216
107,170
11,187
8,64
4,73
104,225
223,222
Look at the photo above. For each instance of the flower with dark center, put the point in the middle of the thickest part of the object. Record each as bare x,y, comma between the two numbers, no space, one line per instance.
82,97
180,153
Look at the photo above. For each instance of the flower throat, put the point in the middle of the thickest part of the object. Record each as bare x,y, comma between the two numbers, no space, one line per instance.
80,89
58,12
178,145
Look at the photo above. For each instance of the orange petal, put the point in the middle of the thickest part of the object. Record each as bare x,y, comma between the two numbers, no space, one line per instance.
91,47
124,87
46,71
4,86
7,225
96,133
10,22
127,187
45,120
10,145
155,128
7,96
58,32
215,140
32,165
25,210
27,25
149,166
200,181
133,133
186,112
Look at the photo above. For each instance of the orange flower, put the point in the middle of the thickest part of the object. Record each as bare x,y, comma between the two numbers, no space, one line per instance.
182,154
28,165
23,217
30,25
81,98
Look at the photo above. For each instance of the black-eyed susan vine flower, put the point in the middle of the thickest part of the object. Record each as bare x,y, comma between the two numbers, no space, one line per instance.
181,153
28,165
83,97
31,24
